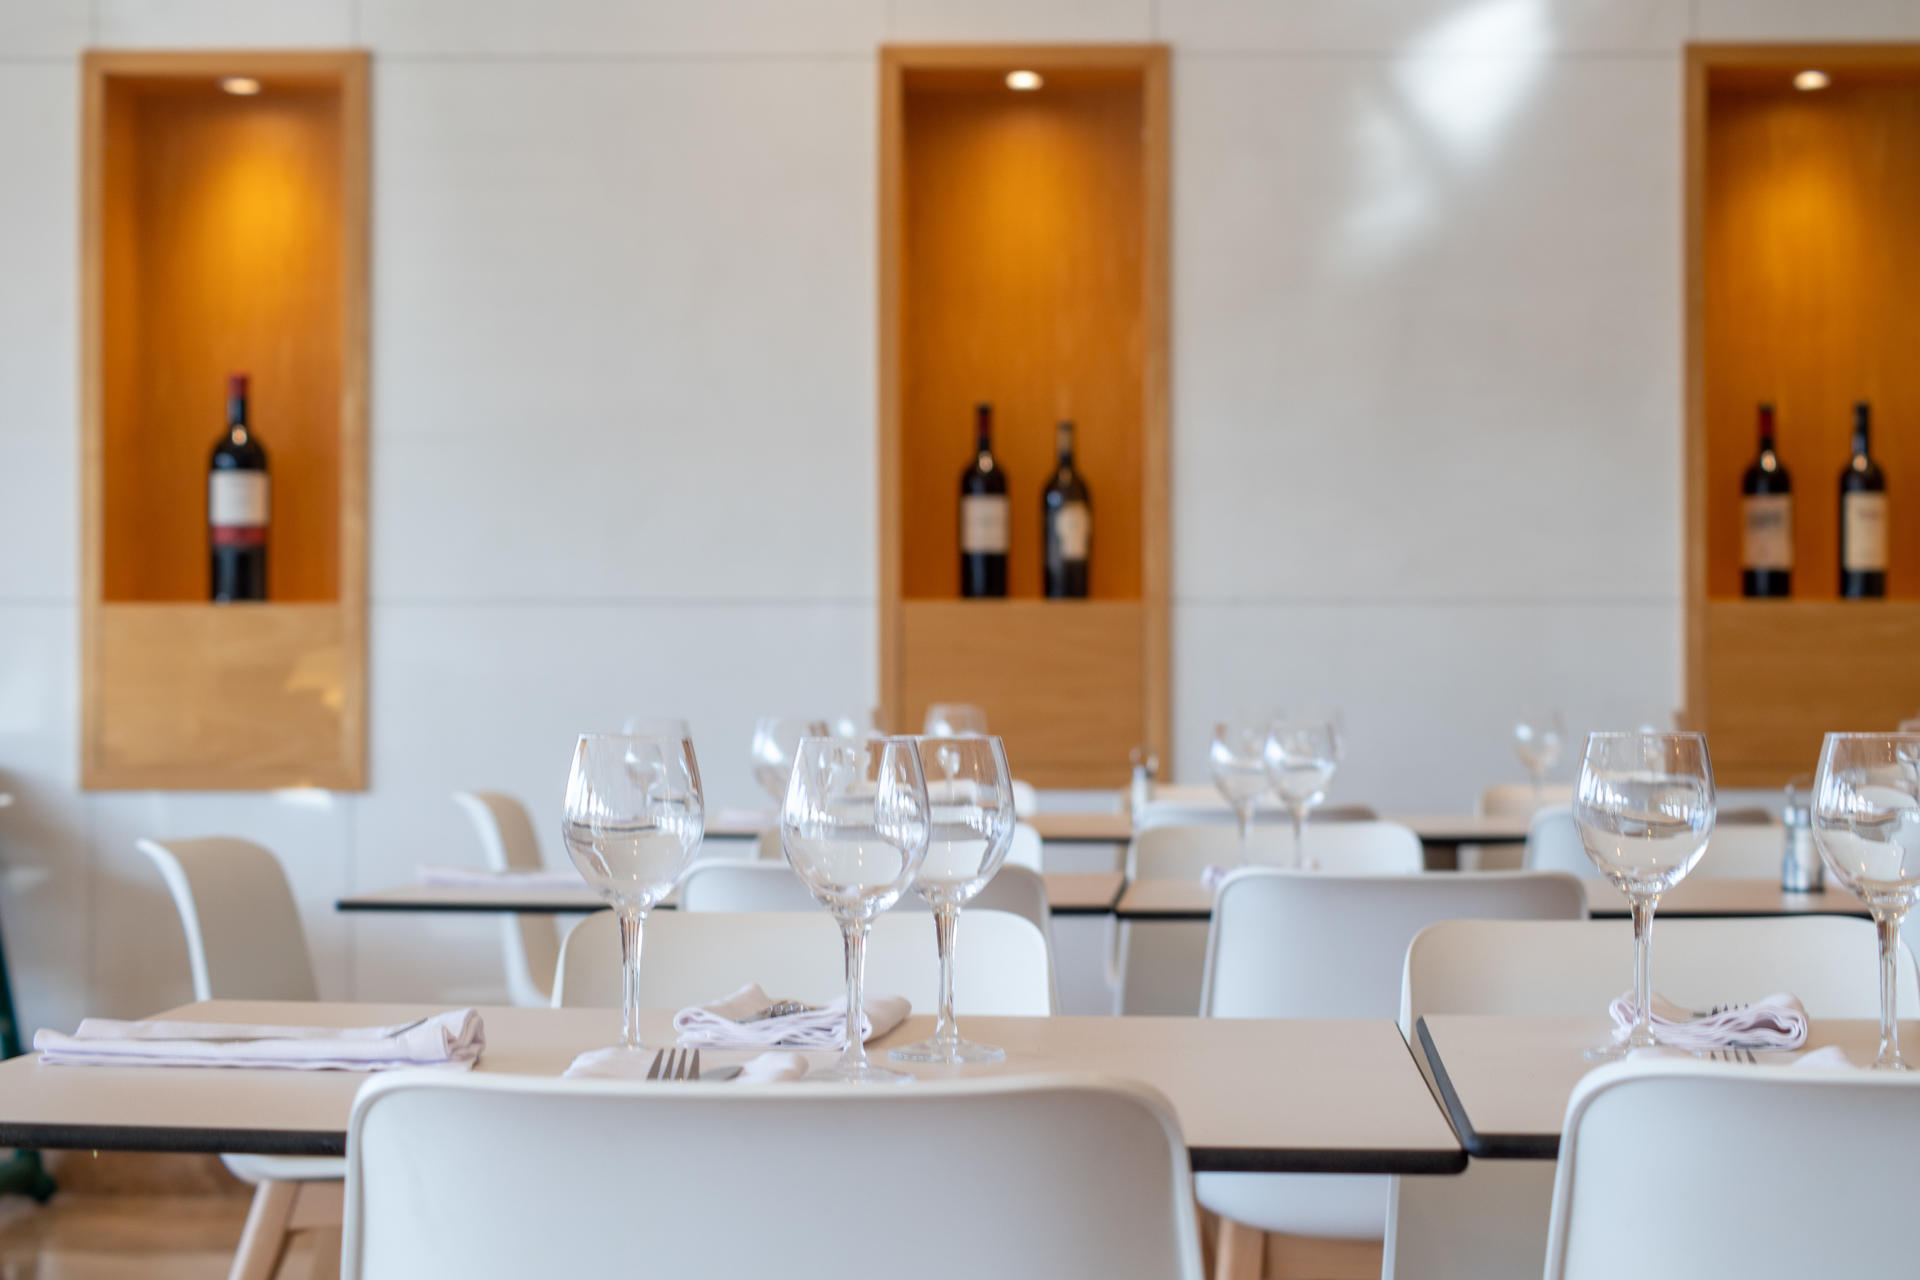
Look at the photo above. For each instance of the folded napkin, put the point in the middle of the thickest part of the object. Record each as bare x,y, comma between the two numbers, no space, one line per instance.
719,1025
479,878
1777,1022
452,1039
619,1064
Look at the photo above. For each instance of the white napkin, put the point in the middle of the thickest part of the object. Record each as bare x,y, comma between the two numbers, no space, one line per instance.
1777,1022
480,878
453,1039
718,1025
618,1064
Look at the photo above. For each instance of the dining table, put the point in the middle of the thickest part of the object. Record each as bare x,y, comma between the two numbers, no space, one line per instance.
1505,1081
1069,893
1251,1095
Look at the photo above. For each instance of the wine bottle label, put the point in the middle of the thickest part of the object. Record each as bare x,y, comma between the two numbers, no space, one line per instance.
1072,530
1863,533
983,524
237,499
1768,540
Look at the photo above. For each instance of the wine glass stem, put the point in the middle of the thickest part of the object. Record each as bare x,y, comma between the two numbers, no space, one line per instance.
1299,812
1246,834
946,918
1887,923
631,919
855,933
1642,1036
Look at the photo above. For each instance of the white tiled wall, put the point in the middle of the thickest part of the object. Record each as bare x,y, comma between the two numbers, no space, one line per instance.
1426,402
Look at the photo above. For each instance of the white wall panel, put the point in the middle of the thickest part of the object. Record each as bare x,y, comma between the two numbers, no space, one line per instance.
223,24
518,28
1422,27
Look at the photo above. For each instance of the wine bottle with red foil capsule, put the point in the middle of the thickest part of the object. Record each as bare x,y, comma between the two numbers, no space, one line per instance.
238,504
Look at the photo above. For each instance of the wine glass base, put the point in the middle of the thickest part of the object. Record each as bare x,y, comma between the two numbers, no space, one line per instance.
866,1074
951,1053
1612,1051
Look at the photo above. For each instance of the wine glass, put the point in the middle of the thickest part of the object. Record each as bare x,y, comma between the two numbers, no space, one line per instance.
634,817
1537,736
1645,807
1237,760
955,720
1333,717
774,741
855,828
1866,820
1300,757
970,799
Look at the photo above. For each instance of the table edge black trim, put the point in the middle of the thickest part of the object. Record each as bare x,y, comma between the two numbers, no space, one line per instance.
474,908
116,1137
1321,1160
1481,1146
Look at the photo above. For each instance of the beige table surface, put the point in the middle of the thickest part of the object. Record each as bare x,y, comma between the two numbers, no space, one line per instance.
1061,828
1506,1081
1069,893
1303,1096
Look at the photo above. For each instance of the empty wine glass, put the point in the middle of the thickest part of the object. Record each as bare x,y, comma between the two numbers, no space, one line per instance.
854,828
970,801
1866,820
955,720
1645,808
1300,758
1332,717
775,738
1537,738
634,817
1237,760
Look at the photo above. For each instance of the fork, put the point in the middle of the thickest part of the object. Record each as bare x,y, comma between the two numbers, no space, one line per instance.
675,1064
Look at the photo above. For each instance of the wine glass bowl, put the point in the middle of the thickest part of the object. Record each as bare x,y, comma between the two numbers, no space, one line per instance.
971,819
1300,757
1645,808
955,720
775,738
1236,758
634,816
854,826
1866,824
1537,740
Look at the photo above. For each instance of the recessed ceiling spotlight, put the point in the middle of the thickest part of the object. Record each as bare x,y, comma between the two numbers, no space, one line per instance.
1024,81
1810,80
243,86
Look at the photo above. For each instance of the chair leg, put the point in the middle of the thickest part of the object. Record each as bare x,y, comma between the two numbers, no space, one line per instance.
326,1253
1239,1251
264,1238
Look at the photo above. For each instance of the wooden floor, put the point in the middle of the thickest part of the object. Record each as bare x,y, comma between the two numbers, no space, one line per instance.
120,1217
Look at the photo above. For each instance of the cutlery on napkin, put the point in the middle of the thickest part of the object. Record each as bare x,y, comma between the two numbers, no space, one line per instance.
622,1064
740,1021
1777,1022
480,878
452,1039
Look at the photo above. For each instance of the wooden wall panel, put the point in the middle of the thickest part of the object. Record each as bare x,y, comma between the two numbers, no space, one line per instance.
224,231
1813,302
1023,286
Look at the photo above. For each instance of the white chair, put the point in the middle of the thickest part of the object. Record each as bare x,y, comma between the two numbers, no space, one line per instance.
1491,1221
244,942
1068,1176
1674,1170
1157,964
1735,849
1520,800
1027,848
1214,812
693,957
1302,944
529,943
1026,800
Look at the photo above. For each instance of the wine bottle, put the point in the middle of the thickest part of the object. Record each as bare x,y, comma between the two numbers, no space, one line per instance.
237,505
1766,512
1067,513
1863,517
983,516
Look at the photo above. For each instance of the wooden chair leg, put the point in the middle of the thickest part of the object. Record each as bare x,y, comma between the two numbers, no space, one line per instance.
326,1253
1239,1251
264,1238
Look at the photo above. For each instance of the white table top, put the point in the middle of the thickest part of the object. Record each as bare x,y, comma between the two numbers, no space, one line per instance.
1170,899
1069,893
1281,1096
1506,1081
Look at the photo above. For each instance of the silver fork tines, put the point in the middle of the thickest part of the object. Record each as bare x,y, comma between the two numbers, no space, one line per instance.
675,1064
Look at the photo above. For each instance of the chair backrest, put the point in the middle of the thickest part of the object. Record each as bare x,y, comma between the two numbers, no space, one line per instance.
717,885
1070,1176
1555,969
244,940
1705,1169
1346,848
1553,843
1026,800
1305,944
1026,849
530,942
1214,812
1520,800
692,957
767,848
